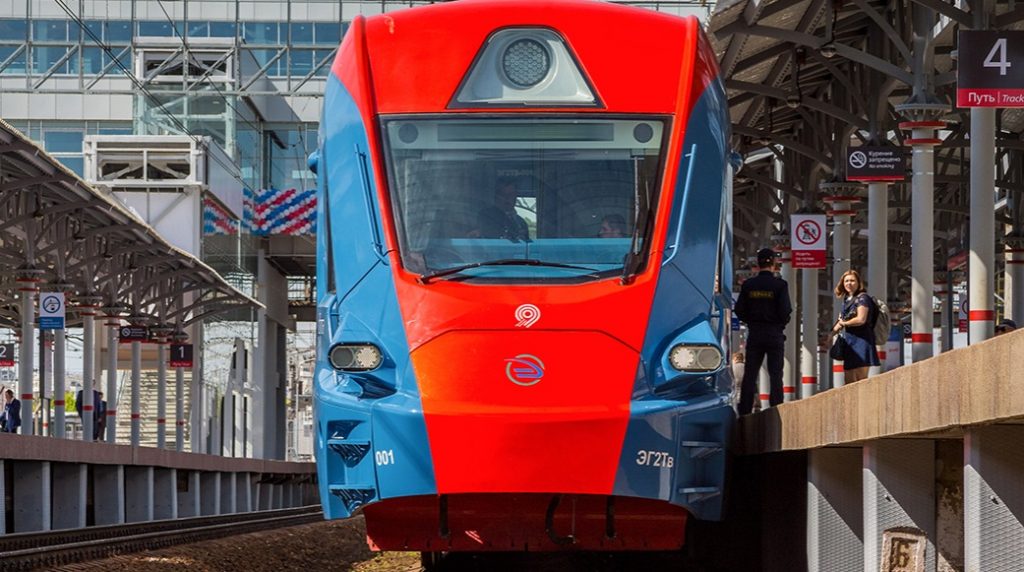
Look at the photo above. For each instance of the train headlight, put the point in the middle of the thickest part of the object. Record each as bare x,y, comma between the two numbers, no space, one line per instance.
355,357
696,358
525,62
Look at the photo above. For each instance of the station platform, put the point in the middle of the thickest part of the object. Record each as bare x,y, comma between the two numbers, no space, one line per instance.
921,464
50,484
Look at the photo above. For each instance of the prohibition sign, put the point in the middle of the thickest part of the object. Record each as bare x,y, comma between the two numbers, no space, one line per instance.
807,232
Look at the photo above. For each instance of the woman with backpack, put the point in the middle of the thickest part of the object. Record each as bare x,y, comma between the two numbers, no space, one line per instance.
856,325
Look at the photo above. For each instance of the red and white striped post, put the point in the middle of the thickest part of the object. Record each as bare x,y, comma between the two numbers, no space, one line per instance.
161,335
922,141
789,363
87,305
878,255
113,312
27,281
840,197
981,315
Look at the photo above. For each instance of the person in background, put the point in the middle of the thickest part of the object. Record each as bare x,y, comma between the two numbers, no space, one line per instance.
500,220
1005,326
857,318
612,226
10,419
765,306
80,401
101,418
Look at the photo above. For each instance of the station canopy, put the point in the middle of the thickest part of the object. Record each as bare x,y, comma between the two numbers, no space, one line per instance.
70,236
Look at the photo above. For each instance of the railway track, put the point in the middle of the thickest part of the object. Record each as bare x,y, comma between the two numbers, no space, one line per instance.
30,550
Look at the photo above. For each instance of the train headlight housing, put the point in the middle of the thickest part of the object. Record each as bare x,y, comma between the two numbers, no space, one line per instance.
355,357
525,62
696,358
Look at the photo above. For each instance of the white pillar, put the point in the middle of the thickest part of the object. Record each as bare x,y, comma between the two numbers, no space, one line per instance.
136,385
196,438
835,520
790,363
841,214
942,293
993,522
809,339
878,254
161,395
59,375
113,325
981,263
179,409
27,290
922,193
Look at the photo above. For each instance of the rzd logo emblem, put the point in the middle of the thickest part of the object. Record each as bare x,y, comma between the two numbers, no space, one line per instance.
524,370
527,314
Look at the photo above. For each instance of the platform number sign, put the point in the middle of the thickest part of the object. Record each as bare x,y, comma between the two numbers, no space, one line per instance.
181,355
990,69
6,355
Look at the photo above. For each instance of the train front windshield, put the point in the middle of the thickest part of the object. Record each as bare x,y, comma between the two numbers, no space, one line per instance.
538,199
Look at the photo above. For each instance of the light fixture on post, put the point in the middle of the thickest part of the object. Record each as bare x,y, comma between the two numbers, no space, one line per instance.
828,50
793,101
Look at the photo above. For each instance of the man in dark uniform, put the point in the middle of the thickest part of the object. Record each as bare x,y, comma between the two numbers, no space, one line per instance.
765,307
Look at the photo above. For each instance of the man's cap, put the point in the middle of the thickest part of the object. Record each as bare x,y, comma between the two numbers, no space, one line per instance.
766,255
1006,324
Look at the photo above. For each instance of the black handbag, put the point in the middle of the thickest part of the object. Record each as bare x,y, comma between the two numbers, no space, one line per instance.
838,349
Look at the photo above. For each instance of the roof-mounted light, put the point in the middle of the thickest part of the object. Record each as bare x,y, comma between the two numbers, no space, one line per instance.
524,67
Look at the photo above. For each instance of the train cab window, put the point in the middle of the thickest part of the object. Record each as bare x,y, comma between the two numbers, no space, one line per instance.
496,199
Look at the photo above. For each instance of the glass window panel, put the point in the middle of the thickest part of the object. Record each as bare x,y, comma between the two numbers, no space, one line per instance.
199,29
76,164
319,55
13,29
302,62
222,29
162,29
93,26
50,30
302,32
125,130
264,56
17,66
119,31
63,141
328,33
44,58
260,32
92,61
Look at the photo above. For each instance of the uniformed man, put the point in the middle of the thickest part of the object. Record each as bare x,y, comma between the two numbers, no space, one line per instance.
765,307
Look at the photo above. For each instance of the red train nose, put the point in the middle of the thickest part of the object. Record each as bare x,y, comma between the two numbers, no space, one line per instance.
525,411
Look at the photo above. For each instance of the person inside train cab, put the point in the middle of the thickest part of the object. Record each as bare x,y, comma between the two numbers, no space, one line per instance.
765,307
500,220
612,226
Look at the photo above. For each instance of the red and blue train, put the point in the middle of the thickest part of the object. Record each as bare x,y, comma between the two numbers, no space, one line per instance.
524,246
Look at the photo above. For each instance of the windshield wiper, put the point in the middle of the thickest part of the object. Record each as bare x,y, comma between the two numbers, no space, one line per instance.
641,224
426,278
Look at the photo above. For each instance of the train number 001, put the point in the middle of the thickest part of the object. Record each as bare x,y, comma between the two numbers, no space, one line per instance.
384,457
654,459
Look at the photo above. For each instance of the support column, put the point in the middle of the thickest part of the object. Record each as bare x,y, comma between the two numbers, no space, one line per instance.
179,337
981,262
161,395
941,292
243,491
165,493
195,436
993,498
790,362
210,493
138,489
59,377
809,339
228,497
27,284
878,255
1015,278
835,520
3,499
136,385
113,313
70,492
899,493
31,496
922,142
108,494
